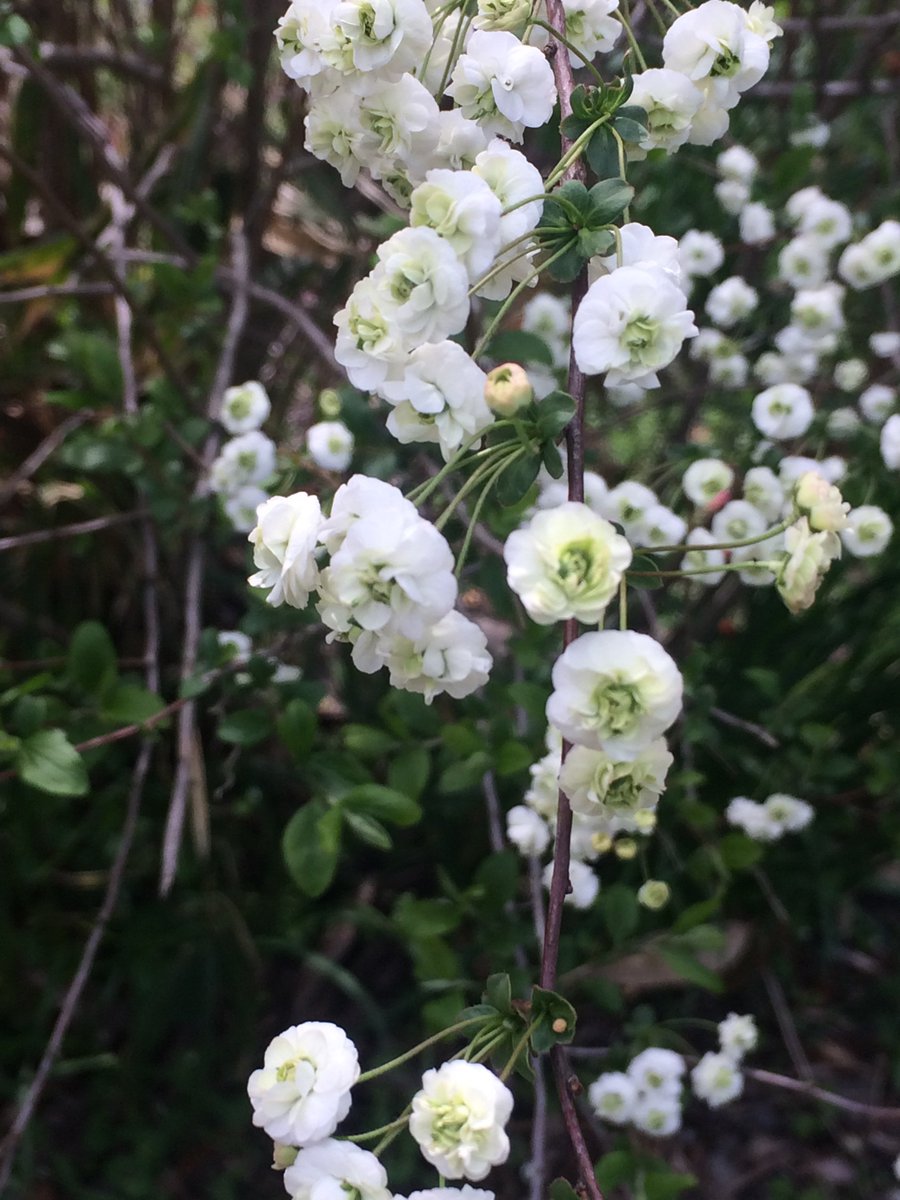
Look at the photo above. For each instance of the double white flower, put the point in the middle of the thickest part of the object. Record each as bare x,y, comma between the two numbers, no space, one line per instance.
459,1118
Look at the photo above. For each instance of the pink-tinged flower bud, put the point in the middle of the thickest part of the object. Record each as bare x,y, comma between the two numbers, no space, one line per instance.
508,389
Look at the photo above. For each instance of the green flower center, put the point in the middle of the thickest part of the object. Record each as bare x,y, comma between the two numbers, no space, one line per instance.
450,1119
640,333
618,706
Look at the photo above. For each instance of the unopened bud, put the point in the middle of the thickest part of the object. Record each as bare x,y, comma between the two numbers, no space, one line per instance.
654,894
507,389
329,404
626,848
560,1025
283,1156
601,842
645,819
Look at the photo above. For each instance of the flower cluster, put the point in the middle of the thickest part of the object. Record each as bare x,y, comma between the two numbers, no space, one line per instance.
647,1095
771,820
247,460
717,1077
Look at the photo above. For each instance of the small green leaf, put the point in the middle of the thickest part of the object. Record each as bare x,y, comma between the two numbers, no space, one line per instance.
554,413
614,1169
608,200
92,658
518,345
561,1189
620,912
245,728
568,265
602,153
666,1185
557,1019
408,772
641,563
515,481
687,966
498,993
131,704
382,803
739,851
368,830
48,760
425,918
297,727
367,741
310,846
552,460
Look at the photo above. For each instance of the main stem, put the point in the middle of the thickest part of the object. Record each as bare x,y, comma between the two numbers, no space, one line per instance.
559,883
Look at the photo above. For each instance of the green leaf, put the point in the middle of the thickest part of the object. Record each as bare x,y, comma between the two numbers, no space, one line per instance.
408,772
245,728
48,760
552,460
632,112
367,741
518,345
498,993
561,1189
513,757
425,918
553,1010
687,966
131,704
382,803
554,413
92,658
620,912
310,846
297,727
739,851
665,1185
515,481
460,776
368,830
568,265
648,582
608,200
602,153
614,1169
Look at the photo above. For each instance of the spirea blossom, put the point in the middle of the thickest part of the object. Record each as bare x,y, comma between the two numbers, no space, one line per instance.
527,830
284,545
450,657
808,556
671,102
738,1035
717,1079
331,1169
613,1097
459,1117
245,407
706,479
502,84
615,792
783,411
615,691
700,253
868,531
460,206
585,884
330,445
890,442
302,1091
630,325
566,562
657,1070
731,301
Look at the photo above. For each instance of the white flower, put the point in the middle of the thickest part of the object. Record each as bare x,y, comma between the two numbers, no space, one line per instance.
671,103
850,374
803,262
309,50
702,559
591,28
440,398
240,645
503,84
877,402
890,442
657,1071
244,408
788,813
512,179
627,503
509,15
451,657
369,345
873,260
820,502
389,576
818,313
334,133
737,162
543,793
756,223
385,33
731,194
361,496
736,521
716,42
330,445
808,556
566,562
753,819
731,301
550,318
843,422
614,792
458,1119
423,285
783,411
527,831
639,246
868,531
661,527
240,506
657,1114
302,1091
828,221
401,126
449,1193
630,325
244,460
612,1097
763,489
717,1079
706,479
857,266
460,141
738,1035
700,253
800,201
461,207
885,344
332,1169
284,545
615,691
816,134
585,884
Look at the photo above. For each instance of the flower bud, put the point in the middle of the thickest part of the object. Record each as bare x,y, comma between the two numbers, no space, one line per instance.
329,404
626,849
821,503
654,894
645,819
507,389
601,842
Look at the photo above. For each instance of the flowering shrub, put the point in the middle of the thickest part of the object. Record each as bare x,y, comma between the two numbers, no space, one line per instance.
579,479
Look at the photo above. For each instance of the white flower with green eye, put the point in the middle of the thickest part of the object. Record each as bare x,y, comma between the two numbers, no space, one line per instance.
335,1170
615,691
706,479
613,1097
245,407
806,560
599,786
738,1035
717,1079
459,1118
566,562
284,542
868,531
330,445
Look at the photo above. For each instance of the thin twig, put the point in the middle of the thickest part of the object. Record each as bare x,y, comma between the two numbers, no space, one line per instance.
39,456
67,531
788,1028
47,291
750,727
